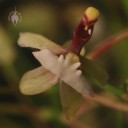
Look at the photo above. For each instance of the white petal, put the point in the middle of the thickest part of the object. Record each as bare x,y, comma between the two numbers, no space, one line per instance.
49,61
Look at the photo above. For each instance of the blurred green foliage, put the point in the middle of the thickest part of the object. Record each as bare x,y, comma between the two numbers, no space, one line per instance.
56,19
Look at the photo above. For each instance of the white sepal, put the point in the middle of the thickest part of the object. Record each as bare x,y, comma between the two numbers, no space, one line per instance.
38,41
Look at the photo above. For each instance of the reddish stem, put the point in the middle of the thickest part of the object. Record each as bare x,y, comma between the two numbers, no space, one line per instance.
108,44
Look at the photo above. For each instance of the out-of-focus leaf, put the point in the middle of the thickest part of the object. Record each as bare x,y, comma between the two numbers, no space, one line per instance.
125,5
125,86
70,100
91,69
75,11
39,42
37,81
90,119
9,123
7,51
47,114
39,18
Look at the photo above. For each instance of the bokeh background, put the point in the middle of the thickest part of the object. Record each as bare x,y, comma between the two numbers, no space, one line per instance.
56,19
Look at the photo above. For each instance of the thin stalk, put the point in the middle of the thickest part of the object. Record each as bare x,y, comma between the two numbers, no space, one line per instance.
108,44
108,101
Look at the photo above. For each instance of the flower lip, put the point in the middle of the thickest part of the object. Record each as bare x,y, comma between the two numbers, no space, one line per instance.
64,68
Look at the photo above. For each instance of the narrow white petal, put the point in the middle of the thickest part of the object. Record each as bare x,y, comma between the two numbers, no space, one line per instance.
61,58
67,60
76,65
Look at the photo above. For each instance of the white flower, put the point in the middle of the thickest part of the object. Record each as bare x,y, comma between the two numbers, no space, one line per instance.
60,64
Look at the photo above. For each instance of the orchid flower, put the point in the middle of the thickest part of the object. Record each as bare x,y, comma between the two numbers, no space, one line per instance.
59,64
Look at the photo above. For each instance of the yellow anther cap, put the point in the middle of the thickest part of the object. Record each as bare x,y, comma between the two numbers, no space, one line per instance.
92,14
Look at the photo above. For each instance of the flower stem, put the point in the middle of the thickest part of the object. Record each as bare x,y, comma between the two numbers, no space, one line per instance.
108,44
108,100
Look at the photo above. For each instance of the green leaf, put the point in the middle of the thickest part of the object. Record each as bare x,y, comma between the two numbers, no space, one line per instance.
37,81
70,100
91,69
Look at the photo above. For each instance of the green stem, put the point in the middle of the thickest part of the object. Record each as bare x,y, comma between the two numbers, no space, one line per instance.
108,44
